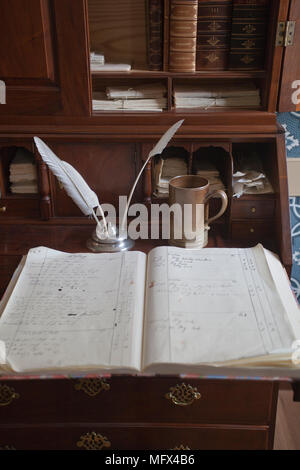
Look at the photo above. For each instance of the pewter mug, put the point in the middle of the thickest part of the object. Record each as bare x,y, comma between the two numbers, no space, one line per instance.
190,229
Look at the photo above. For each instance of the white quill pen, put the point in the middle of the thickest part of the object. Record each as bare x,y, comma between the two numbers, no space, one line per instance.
159,148
73,183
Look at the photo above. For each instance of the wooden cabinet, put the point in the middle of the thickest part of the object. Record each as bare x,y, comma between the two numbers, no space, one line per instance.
85,414
44,62
43,72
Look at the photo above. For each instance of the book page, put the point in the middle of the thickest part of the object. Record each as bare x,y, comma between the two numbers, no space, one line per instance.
211,306
75,310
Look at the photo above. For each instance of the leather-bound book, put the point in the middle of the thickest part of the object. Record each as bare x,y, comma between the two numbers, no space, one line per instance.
183,35
249,33
155,34
213,34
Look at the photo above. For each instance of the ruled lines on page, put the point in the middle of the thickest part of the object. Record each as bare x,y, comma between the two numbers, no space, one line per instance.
75,310
211,306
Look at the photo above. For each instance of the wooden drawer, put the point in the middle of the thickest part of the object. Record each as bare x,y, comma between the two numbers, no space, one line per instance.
144,399
139,400
95,437
25,208
33,401
253,209
254,231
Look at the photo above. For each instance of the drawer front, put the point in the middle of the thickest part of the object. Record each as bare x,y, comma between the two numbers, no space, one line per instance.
137,400
89,437
255,231
263,209
25,208
173,400
33,401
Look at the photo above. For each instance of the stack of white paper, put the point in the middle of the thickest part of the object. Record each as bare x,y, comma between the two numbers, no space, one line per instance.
96,60
23,173
149,97
152,90
98,64
208,171
252,182
216,96
164,171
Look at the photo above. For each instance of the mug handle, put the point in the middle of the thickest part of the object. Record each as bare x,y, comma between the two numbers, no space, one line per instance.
224,204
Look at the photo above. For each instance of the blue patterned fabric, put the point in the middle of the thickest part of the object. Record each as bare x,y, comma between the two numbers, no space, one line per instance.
291,124
295,224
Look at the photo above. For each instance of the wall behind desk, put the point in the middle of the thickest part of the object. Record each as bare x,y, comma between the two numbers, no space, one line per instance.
291,124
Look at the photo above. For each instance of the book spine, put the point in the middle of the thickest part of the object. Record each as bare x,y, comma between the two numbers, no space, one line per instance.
249,31
183,35
155,34
213,34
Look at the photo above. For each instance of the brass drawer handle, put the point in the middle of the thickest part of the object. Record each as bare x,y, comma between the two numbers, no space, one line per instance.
7,448
93,441
252,230
253,210
183,395
3,209
92,387
7,395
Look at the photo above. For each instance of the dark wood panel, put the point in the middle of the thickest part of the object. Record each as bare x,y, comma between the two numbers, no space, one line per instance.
132,126
253,209
274,55
31,100
255,231
25,207
8,264
283,226
133,438
144,400
44,57
73,56
26,46
139,400
122,36
109,169
291,65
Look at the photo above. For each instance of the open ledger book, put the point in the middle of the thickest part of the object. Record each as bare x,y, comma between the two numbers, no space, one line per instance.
169,312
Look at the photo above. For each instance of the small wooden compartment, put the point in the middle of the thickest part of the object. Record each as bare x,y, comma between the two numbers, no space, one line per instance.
17,204
118,30
254,207
253,215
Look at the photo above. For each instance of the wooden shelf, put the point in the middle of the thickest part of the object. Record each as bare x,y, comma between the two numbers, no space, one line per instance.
173,111
221,74
22,196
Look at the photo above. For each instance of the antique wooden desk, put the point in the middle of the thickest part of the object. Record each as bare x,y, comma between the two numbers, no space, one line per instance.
45,63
